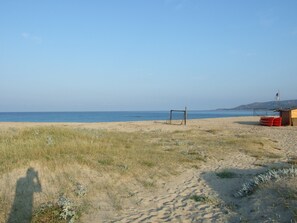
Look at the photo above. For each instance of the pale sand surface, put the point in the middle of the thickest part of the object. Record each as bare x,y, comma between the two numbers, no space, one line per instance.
171,202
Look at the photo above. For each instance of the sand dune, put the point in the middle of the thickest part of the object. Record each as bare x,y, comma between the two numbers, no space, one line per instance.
199,194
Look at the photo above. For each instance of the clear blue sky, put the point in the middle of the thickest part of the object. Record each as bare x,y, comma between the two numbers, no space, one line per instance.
93,55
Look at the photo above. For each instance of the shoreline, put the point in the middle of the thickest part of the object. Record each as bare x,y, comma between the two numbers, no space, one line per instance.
136,121
134,126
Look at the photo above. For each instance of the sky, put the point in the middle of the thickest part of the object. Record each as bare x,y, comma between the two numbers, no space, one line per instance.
133,55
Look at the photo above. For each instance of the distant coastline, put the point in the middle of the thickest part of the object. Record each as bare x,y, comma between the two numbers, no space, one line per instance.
269,105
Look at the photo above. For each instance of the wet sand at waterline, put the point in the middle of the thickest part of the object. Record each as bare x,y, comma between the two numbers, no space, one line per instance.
152,171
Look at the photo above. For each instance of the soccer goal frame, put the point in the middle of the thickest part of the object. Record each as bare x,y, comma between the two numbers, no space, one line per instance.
185,116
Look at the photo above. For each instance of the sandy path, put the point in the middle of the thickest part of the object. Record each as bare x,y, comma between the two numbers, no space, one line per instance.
174,202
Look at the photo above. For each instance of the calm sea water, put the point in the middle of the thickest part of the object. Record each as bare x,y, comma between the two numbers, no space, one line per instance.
113,116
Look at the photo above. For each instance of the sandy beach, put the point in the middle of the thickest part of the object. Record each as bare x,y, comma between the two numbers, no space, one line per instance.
94,97
197,194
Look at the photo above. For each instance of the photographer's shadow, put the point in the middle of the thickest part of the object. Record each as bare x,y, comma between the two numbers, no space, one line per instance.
21,210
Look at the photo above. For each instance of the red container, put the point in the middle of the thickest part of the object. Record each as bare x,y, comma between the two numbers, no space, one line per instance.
277,121
267,121
271,121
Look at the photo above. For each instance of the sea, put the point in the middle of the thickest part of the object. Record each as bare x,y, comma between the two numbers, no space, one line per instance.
121,116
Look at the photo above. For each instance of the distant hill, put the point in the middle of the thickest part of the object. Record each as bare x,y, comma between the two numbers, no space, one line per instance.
271,105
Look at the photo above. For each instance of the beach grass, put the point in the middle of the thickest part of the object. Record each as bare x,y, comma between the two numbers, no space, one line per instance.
112,164
120,151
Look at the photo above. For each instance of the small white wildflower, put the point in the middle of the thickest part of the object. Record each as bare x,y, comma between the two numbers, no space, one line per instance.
49,140
80,190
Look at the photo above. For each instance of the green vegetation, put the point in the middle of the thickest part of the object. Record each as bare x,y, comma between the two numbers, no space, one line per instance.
48,214
226,174
200,198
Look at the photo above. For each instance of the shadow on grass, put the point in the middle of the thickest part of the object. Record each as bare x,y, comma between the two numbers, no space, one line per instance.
161,122
167,122
263,205
21,210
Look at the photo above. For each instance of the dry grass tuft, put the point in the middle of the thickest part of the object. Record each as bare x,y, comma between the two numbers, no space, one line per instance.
293,160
